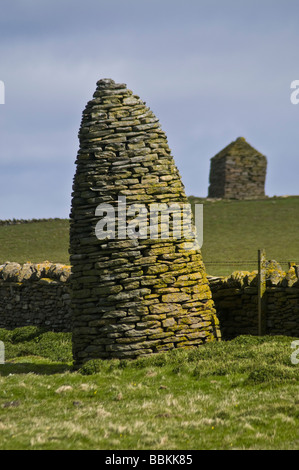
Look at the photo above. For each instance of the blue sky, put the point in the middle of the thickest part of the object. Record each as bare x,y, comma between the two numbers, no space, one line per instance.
211,71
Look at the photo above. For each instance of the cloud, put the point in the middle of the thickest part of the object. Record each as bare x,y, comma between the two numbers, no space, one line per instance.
210,70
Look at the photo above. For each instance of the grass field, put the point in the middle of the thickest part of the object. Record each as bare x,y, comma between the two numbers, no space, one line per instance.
241,394
233,233
35,242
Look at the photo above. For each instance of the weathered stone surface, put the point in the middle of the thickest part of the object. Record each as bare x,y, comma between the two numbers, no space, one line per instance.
236,301
238,172
11,271
148,277
35,294
43,300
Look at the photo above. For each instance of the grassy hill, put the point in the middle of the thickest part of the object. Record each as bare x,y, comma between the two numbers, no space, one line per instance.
35,242
239,394
235,395
233,233
235,230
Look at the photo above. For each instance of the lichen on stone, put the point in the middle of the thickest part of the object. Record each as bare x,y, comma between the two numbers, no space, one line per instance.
124,152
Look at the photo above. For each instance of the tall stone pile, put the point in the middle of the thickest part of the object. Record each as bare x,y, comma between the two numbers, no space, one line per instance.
238,172
133,293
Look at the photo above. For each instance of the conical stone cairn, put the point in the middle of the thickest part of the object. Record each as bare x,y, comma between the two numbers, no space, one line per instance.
138,282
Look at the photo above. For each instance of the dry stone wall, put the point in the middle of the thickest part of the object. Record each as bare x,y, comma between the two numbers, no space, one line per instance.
238,172
39,295
35,294
131,296
25,221
236,301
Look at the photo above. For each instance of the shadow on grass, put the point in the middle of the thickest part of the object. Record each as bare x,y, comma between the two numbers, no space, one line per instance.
11,368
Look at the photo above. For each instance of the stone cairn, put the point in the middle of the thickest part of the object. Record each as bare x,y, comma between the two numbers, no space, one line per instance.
238,172
131,295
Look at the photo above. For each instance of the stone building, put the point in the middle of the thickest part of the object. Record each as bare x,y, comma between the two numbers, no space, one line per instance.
130,295
238,172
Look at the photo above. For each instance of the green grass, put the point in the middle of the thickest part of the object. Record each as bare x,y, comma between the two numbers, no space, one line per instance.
241,394
35,242
233,231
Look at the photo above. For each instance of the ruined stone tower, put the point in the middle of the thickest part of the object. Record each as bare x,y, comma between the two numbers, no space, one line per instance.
133,291
238,172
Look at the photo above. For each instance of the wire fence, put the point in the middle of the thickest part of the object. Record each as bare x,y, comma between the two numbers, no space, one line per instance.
287,263
229,266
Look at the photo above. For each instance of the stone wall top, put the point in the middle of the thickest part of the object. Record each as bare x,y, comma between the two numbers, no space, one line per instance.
275,277
15,272
25,221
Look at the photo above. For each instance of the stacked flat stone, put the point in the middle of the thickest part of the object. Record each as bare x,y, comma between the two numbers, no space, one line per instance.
131,296
35,295
238,172
235,297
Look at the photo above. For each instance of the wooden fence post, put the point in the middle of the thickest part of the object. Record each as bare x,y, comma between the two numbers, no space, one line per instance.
261,291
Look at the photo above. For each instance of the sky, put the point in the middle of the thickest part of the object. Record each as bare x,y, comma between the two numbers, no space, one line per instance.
210,70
